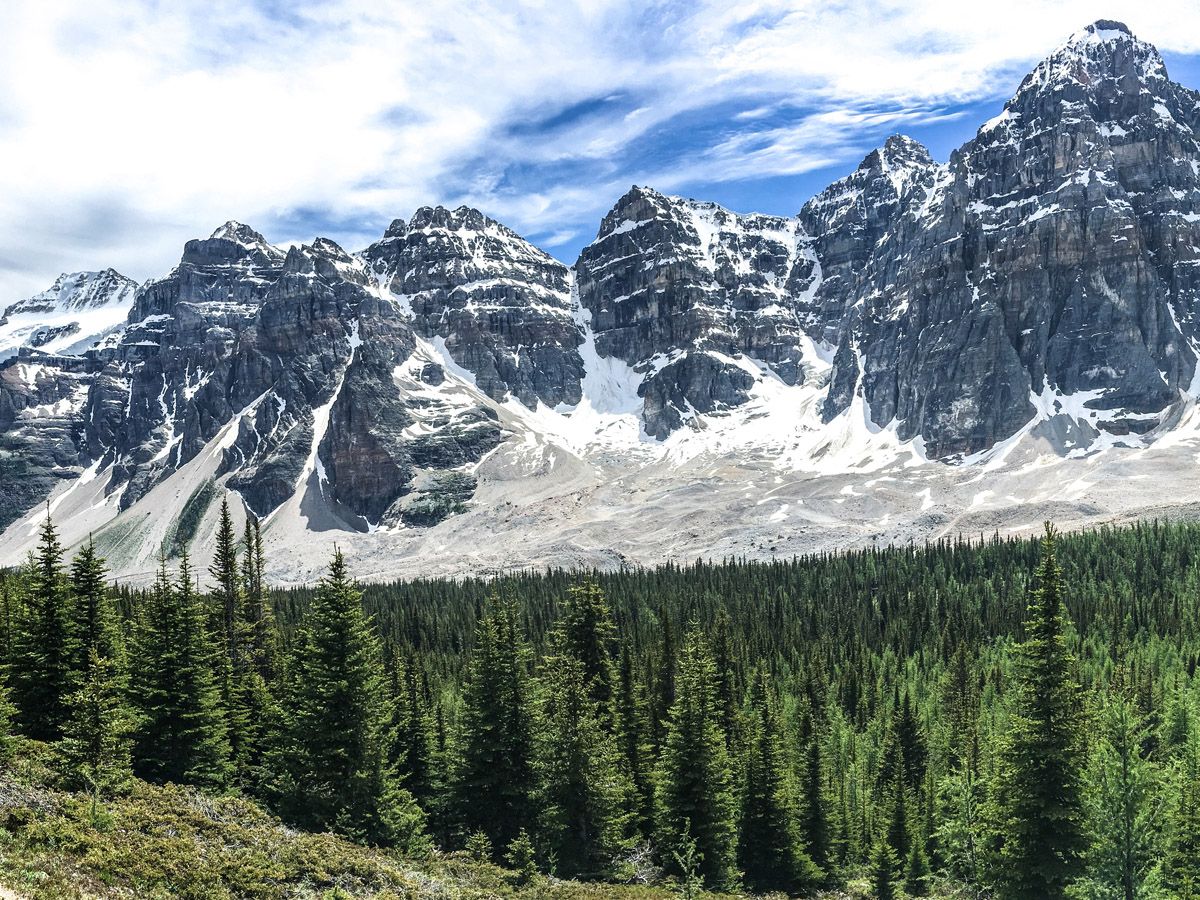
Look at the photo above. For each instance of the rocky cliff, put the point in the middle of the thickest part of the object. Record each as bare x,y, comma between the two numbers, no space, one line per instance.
1041,284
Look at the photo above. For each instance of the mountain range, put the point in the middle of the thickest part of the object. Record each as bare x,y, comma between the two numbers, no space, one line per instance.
924,349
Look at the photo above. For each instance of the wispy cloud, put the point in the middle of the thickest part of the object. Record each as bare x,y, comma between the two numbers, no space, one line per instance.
128,126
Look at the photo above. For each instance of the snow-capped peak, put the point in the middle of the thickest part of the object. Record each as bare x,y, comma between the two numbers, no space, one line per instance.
1104,50
76,311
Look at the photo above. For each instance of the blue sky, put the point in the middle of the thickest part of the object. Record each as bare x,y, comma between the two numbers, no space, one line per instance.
129,126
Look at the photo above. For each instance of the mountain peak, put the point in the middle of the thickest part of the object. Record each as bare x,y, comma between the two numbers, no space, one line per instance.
1105,51
1101,31
238,233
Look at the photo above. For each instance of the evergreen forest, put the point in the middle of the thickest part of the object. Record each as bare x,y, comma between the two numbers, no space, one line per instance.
1003,717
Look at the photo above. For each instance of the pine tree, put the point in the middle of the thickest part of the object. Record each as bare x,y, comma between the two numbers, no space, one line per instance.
582,788
1181,866
228,588
258,618
1122,796
771,851
181,731
589,635
44,648
633,726
1037,806
884,869
96,630
493,772
694,785
814,823
333,756
94,751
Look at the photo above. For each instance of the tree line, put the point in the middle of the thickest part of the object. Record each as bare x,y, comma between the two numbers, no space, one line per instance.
975,714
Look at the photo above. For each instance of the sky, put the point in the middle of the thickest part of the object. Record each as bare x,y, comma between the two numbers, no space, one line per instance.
128,127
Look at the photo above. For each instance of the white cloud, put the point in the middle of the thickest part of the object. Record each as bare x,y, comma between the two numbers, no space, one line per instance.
128,127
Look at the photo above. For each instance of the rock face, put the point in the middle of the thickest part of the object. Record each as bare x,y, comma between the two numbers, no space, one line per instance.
1054,255
78,311
1045,280
683,291
502,306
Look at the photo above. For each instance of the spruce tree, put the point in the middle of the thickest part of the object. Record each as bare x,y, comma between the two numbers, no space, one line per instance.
590,636
694,784
181,733
1123,803
332,760
227,591
771,851
44,648
1037,801
96,630
815,828
1181,866
94,753
582,788
493,771
633,726
884,869
257,616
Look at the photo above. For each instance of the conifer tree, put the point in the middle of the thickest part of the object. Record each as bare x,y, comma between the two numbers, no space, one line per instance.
94,753
1122,795
10,603
228,588
694,785
771,851
414,741
582,788
44,649
884,869
815,828
1181,866
333,756
257,616
181,732
493,772
636,749
589,635
96,630
1037,806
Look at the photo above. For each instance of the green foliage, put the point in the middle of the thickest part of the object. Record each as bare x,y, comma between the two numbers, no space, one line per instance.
869,710
582,788
1124,803
493,772
694,781
1037,797
332,755
771,851
95,625
181,733
94,753
44,646
521,857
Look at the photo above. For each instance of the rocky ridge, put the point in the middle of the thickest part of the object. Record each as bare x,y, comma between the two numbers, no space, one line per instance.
1040,286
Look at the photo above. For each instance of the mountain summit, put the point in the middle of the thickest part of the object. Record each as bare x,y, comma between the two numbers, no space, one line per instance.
925,347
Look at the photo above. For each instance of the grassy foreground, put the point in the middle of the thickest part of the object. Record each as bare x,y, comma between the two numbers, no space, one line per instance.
160,842
175,842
